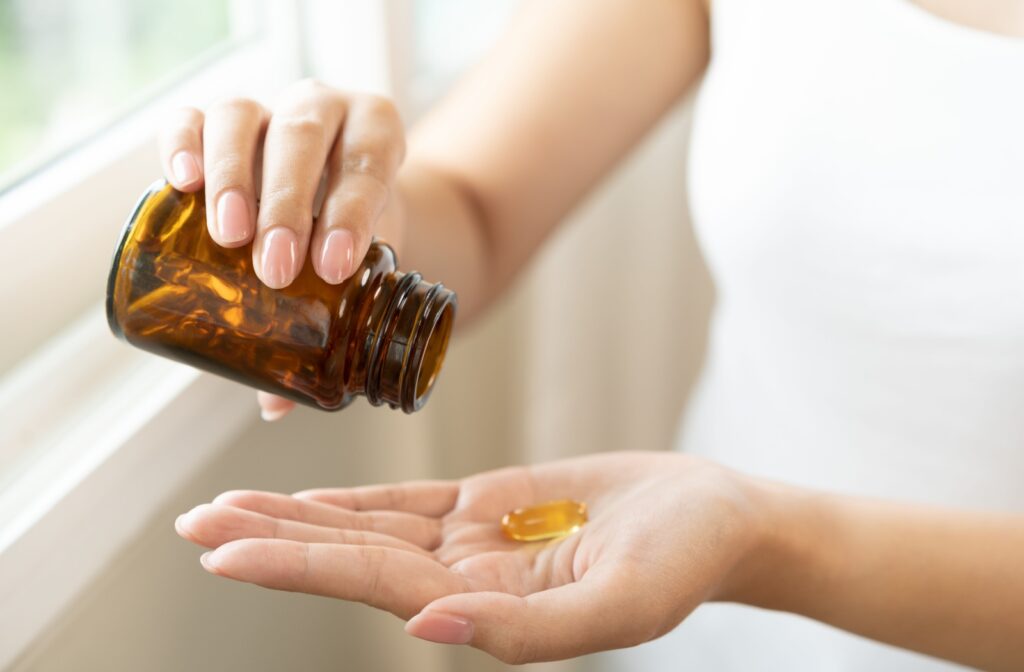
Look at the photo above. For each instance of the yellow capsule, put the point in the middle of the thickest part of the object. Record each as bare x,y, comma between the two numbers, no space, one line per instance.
550,520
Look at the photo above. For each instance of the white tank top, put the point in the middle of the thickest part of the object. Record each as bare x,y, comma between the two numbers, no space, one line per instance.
857,184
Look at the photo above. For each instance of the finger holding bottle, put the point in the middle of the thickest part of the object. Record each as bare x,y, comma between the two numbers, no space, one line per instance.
180,143
299,137
360,172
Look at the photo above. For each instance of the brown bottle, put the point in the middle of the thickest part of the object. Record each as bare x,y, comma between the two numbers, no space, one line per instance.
175,292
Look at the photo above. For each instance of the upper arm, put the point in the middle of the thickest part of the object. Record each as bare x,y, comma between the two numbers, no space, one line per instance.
569,90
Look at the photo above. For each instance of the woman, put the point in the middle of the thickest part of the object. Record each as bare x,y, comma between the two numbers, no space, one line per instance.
856,180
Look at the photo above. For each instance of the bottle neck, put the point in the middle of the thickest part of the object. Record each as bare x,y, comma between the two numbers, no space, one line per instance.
405,351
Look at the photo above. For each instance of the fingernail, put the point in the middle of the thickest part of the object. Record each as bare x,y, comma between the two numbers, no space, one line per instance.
185,521
207,561
185,168
441,628
232,217
336,257
272,415
280,257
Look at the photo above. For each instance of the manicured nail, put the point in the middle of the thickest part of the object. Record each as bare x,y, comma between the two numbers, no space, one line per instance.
185,168
336,257
280,257
207,561
273,415
185,521
232,217
440,627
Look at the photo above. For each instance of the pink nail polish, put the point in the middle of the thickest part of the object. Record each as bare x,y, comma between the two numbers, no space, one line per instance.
336,256
280,258
232,217
184,168
441,628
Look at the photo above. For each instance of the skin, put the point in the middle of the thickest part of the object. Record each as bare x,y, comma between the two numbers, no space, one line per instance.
486,177
666,533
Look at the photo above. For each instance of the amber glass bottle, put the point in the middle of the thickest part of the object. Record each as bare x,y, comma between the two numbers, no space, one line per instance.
175,292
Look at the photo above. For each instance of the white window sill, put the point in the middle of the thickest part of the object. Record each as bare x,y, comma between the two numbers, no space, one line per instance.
132,429
95,435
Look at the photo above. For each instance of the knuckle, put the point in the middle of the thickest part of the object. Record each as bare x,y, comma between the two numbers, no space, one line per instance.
245,107
373,559
303,126
284,202
304,574
379,106
307,94
228,172
515,650
515,644
367,160
352,521
385,113
396,498
358,208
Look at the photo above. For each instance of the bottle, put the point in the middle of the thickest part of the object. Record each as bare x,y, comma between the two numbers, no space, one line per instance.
174,292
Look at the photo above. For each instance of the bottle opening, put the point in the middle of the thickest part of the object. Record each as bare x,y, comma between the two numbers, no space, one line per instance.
433,354
407,353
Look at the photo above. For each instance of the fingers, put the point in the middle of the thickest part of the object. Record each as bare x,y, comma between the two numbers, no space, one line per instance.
301,143
298,139
361,168
181,149
419,530
231,140
427,498
599,612
273,407
213,525
386,578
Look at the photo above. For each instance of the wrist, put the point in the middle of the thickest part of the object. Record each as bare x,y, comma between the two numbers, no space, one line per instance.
785,552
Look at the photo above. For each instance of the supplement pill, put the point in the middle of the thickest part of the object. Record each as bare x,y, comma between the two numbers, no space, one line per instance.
550,520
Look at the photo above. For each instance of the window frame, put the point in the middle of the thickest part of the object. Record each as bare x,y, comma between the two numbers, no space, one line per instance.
91,429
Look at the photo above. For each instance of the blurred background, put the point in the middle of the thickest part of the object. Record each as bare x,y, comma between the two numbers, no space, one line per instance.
101,446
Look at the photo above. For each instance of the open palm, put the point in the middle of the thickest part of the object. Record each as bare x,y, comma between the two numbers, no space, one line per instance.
661,538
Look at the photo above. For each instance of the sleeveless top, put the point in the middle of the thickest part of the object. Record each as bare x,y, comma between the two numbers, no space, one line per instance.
857,186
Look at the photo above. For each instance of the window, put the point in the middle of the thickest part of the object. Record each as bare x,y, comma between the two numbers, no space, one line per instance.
71,67
437,59
77,147
87,423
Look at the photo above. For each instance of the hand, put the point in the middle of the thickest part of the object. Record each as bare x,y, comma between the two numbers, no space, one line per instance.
666,532
354,142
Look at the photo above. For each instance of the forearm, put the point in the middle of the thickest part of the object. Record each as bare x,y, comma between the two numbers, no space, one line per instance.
942,582
497,164
436,229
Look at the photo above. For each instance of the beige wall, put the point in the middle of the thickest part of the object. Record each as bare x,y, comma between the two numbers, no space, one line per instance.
594,350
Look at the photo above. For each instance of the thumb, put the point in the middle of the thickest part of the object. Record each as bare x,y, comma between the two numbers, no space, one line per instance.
607,609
